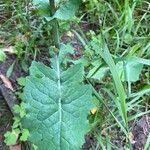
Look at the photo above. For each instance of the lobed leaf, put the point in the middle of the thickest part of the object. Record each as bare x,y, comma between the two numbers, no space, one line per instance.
57,104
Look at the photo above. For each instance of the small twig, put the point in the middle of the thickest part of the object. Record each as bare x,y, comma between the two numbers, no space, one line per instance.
8,96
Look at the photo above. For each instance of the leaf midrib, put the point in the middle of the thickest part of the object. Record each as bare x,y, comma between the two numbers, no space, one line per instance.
59,101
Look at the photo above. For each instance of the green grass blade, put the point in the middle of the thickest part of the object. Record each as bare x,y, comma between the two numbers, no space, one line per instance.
99,97
147,145
105,54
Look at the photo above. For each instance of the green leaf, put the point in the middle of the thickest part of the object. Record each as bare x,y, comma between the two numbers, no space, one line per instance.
142,60
10,70
11,137
98,72
16,122
25,135
67,10
19,109
42,7
38,2
64,50
21,81
57,104
131,70
2,56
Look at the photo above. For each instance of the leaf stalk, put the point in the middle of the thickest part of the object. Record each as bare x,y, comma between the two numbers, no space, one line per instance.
55,27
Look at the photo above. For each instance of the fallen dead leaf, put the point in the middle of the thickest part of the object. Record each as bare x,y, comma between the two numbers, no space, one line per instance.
6,82
131,138
15,147
9,49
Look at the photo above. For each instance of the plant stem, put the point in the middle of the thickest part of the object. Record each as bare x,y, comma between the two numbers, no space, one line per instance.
55,27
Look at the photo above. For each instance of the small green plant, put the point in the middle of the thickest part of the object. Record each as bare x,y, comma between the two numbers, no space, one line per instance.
17,133
2,56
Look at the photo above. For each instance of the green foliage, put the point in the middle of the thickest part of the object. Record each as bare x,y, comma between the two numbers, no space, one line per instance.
2,56
10,69
67,10
11,137
17,132
19,109
42,7
57,99
129,69
64,51
98,72
21,81
25,135
64,12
